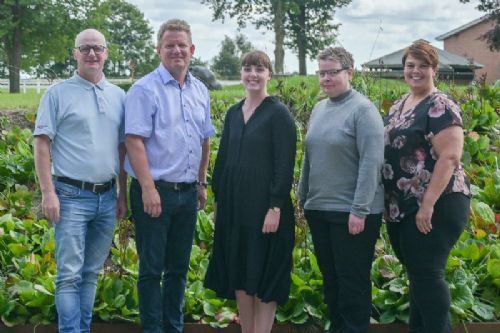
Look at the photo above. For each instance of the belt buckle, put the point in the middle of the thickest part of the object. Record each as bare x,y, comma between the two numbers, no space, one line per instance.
94,187
177,186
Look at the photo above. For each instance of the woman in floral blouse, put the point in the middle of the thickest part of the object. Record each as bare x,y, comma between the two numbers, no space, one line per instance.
427,195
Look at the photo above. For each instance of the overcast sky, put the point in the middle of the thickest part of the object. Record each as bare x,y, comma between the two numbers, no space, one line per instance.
369,28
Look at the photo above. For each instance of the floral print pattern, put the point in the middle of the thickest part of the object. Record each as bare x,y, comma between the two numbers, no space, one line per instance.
409,155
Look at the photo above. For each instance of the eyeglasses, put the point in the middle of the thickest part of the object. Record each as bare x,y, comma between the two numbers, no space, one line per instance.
85,49
331,72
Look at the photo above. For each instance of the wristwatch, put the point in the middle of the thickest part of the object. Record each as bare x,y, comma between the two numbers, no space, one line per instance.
204,184
276,209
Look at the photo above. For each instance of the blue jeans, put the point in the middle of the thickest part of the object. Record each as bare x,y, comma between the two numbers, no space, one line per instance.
83,238
164,246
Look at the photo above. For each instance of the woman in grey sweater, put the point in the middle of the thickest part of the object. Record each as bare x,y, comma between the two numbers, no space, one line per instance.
340,190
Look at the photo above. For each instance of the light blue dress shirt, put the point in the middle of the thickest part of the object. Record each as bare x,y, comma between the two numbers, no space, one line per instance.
85,123
173,120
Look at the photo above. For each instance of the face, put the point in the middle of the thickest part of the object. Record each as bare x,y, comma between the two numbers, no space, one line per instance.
333,79
175,51
418,74
255,78
90,55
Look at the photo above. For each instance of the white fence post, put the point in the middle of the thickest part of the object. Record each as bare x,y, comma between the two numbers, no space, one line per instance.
38,86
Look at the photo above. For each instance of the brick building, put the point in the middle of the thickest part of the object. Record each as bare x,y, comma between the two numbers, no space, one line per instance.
465,41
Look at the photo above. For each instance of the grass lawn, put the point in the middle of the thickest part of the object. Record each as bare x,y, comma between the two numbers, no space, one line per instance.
28,101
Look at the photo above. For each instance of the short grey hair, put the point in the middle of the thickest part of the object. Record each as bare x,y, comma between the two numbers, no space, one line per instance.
174,25
337,54
90,31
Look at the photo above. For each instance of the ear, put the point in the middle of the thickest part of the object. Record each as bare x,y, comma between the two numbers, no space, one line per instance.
191,49
74,52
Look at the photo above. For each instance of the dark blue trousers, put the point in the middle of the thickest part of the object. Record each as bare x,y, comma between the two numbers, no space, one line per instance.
164,247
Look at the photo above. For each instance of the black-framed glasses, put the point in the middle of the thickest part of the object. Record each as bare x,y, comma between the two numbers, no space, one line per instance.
331,72
85,49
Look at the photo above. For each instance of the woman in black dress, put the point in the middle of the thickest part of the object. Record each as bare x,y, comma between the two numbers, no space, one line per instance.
254,230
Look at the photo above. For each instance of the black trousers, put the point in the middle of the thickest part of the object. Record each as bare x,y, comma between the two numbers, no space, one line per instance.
425,257
345,261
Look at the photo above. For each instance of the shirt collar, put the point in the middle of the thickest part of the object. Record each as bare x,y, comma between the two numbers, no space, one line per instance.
89,85
166,77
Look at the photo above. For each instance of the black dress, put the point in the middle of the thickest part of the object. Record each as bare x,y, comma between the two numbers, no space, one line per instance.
253,172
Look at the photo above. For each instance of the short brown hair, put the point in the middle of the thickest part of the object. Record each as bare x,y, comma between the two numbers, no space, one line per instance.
174,25
256,58
422,51
337,54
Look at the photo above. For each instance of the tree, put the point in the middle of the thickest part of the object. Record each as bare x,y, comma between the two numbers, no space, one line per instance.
227,62
310,27
492,37
128,35
34,31
303,25
262,13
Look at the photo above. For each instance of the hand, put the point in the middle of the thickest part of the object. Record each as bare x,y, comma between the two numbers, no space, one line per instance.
51,206
356,224
271,221
152,202
121,205
424,218
202,197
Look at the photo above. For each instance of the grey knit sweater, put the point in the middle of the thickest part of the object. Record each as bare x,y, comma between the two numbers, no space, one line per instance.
344,153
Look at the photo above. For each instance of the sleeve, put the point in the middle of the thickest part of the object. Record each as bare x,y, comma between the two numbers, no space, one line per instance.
304,180
46,117
284,141
220,160
208,129
370,145
140,108
443,112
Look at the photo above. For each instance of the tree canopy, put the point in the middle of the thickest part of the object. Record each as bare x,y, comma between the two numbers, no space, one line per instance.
227,62
42,32
36,31
306,26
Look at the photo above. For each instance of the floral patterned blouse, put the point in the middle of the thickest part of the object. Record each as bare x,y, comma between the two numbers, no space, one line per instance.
409,155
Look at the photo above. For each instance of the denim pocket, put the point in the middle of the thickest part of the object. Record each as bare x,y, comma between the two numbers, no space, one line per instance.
66,190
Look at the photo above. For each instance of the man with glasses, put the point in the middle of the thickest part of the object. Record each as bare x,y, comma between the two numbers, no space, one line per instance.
167,126
78,156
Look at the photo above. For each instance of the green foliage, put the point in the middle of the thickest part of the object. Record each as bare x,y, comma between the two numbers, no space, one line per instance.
227,63
128,34
473,270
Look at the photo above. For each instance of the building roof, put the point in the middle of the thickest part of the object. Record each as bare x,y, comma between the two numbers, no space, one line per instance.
447,61
463,27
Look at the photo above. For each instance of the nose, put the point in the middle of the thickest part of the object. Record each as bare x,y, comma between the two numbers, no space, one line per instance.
176,49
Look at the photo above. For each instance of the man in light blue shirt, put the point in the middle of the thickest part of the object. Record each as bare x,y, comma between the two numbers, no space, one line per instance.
167,126
78,156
